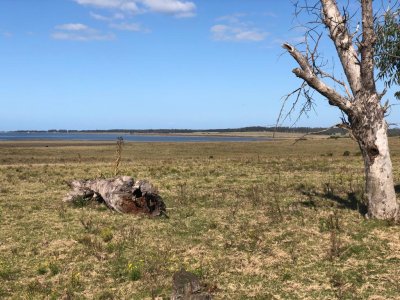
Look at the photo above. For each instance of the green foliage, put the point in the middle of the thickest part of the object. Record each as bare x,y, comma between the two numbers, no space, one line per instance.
387,49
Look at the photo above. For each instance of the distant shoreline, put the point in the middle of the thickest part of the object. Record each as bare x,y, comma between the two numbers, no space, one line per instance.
250,131
110,136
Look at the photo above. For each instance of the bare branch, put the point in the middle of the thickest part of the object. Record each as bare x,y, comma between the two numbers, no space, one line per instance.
306,73
341,82
285,99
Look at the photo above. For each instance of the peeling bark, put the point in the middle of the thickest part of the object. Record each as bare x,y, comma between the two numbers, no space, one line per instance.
119,194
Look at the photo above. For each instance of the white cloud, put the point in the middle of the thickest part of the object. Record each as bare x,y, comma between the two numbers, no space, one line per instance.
72,27
236,34
82,37
129,6
116,16
178,8
250,35
170,6
113,11
234,18
232,28
79,32
6,34
124,5
185,15
136,27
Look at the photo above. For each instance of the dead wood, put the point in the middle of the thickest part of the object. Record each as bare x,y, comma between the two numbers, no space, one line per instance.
120,194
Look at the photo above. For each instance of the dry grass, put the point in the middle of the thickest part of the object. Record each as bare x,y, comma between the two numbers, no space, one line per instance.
262,220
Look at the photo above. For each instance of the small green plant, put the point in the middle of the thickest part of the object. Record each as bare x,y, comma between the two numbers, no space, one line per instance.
75,281
42,269
106,234
54,268
134,270
346,153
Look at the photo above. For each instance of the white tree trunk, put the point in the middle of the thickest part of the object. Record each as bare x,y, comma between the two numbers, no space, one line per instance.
380,193
370,129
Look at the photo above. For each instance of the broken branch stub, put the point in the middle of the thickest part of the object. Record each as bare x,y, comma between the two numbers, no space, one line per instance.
120,194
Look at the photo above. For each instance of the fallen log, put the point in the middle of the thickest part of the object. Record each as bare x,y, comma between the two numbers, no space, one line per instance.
120,194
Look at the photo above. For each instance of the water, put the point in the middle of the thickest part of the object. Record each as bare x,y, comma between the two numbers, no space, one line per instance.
50,136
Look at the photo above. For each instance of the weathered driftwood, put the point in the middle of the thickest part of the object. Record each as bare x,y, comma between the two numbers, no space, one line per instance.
186,286
120,194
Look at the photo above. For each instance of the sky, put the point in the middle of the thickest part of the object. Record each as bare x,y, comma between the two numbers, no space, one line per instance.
148,64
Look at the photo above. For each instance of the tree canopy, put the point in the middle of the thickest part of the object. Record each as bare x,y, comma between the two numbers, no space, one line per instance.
387,48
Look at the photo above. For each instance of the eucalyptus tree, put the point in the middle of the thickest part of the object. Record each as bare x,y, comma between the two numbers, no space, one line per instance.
387,47
355,94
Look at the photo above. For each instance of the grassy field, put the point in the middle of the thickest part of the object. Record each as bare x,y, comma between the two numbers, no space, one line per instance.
260,220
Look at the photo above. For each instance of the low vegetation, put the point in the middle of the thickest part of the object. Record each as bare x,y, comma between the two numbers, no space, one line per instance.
260,220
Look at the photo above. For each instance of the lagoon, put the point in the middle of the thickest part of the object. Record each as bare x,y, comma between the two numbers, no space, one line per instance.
58,136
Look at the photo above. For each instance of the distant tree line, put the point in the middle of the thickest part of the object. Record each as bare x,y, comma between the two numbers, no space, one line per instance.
302,130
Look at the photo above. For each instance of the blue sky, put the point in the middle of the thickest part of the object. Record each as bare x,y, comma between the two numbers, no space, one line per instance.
102,64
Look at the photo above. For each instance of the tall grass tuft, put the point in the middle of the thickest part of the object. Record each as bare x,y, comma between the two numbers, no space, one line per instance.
118,154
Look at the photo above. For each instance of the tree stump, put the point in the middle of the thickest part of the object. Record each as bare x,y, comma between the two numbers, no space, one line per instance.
120,194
